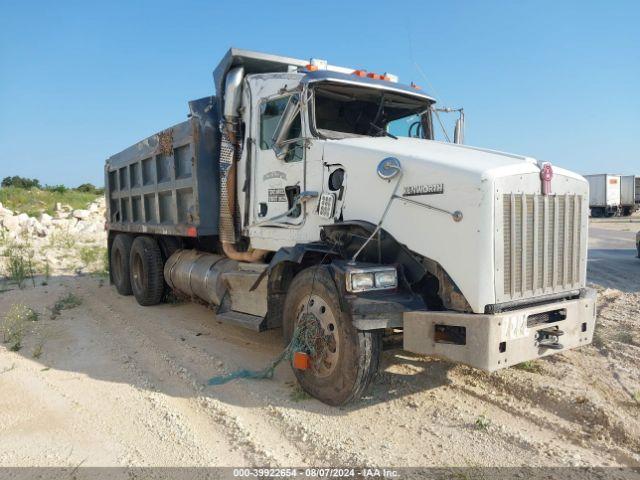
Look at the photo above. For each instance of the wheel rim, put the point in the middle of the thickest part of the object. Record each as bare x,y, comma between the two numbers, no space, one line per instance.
137,273
325,345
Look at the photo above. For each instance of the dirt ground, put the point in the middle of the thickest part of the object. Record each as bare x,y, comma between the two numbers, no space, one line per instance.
109,383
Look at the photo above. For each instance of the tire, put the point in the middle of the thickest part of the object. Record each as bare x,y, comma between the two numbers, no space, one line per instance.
119,263
146,266
352,356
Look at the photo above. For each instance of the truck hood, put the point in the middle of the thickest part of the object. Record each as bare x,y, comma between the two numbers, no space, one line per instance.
438,180
461,158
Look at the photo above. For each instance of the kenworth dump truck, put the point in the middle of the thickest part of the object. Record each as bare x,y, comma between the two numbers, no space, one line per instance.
308,194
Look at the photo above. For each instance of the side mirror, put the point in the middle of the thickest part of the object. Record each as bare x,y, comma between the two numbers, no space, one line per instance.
458,134
280,141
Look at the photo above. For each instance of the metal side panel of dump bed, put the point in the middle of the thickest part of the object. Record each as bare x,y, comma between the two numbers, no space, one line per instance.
168,183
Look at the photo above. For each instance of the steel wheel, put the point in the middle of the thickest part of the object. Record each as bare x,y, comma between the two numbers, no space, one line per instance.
326,345
343,359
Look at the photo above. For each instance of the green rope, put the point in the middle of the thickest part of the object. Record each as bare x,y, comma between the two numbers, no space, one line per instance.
307,337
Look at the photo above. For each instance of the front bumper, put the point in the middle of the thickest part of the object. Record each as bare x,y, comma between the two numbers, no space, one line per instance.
491,342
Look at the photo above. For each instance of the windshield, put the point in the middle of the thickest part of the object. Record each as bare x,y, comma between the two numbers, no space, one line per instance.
342,111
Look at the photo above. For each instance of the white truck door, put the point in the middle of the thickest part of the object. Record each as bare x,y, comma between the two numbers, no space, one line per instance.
276,181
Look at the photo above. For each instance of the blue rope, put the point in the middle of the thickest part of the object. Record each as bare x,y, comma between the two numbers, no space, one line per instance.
305,339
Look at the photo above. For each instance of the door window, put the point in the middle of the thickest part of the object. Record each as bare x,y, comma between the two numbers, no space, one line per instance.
270,116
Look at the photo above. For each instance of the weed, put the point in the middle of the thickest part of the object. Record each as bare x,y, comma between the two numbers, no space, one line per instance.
47,271
89,255
95,256
15,323
37,351
19,265
63,240
482,422
298,394
529,366
66,302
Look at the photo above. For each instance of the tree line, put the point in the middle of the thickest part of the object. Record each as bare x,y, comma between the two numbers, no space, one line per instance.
29,183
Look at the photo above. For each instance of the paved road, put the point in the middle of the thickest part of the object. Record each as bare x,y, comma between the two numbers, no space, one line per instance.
612,256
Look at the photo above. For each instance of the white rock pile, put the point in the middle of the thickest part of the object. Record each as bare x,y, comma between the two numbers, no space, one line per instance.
55,240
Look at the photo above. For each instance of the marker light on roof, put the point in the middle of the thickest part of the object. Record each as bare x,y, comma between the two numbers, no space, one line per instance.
318,63
375,76
390,77
413,85
360,73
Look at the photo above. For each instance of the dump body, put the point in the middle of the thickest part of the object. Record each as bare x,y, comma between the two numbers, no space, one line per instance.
168,183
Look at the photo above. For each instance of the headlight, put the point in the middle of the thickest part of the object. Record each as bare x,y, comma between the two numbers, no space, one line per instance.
372,278
362,281
387,279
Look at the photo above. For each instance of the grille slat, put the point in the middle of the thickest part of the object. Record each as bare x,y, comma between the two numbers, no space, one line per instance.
542,243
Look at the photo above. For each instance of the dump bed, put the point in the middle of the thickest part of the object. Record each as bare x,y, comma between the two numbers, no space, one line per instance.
168,183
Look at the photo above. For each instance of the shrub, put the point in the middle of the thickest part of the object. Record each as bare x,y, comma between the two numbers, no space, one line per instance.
482,422
18,263
56,188
89,188
15,323
20,182
66,302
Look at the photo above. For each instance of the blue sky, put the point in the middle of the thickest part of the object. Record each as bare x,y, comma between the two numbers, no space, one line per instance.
557,80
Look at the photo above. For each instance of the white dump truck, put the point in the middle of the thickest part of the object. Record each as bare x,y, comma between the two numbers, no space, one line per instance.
604,194
314,199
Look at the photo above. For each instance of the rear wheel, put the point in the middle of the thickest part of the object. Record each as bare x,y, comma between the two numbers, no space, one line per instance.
147,277
119,259
343,359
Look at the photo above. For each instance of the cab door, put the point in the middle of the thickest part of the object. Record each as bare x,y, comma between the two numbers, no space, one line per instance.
277,179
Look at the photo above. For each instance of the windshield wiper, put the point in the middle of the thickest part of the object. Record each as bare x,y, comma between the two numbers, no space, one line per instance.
382,131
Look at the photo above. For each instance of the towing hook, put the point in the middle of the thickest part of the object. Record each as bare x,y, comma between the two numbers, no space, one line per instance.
548,338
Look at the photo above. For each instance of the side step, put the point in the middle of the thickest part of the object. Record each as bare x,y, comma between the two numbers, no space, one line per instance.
244,320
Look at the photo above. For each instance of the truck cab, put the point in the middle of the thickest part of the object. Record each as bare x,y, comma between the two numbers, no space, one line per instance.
319,202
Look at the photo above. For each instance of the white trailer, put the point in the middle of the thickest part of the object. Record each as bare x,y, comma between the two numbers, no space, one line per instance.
628,194
604,194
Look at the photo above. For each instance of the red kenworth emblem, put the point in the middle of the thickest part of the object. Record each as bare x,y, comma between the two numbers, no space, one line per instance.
546,174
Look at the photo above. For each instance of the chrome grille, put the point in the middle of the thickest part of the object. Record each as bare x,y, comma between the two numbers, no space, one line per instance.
542,243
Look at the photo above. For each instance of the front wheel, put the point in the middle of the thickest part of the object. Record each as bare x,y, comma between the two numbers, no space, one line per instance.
344,360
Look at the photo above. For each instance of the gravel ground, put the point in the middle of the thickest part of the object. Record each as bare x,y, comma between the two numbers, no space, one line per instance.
109,383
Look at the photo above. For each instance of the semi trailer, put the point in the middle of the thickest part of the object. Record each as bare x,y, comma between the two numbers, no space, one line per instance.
629,194
314,199
604,195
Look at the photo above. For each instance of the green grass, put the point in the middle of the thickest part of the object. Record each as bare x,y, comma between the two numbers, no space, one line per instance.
298,394
482,422
14,325
18,263
66,302
33,202
529,366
